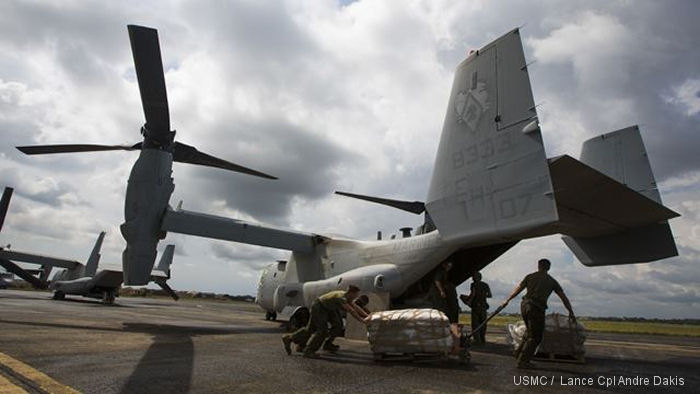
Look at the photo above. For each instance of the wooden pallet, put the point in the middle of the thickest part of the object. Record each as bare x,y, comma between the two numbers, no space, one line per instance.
562,358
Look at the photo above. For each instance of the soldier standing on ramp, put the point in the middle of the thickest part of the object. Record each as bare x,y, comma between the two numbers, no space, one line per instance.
476,299
324,310
539,287
443,293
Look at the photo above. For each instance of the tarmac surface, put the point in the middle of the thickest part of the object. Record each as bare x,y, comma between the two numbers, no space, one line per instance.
157,345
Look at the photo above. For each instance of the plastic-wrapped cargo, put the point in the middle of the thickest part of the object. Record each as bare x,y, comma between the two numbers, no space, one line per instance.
561,336
410,331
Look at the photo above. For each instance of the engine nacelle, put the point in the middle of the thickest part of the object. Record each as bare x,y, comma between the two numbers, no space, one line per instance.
270,278
147,196
377,278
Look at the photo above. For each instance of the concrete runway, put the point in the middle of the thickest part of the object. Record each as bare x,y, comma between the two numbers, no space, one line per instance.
158,345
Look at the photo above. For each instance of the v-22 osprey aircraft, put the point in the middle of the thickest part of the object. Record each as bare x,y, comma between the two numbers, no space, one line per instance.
492,186
76,278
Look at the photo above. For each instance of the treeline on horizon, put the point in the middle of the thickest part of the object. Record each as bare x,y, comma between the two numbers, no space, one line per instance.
629,319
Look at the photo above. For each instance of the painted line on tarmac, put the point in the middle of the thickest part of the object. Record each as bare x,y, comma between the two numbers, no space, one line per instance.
645,346
7,387
32,377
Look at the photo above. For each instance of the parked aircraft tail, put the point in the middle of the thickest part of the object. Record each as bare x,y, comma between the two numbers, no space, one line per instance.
639,220
492,182
491,179
166,259
94,259
161,273
5,204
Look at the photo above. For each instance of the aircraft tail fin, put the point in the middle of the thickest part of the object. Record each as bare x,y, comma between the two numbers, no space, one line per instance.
5,204
621,156
161,273
491,178
94,259
166,259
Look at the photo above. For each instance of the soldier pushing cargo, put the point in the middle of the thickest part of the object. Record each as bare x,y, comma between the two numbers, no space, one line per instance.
476,299
539,287
443,293
324,311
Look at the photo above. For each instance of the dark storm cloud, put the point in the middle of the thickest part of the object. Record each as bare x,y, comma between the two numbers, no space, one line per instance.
306,164
260,33
60,26
250,256
45,191
649,58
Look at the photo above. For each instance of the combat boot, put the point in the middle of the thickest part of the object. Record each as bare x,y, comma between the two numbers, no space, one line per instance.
287,341
330,347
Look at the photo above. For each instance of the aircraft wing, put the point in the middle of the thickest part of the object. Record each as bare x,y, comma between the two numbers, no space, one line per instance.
38,259
211,226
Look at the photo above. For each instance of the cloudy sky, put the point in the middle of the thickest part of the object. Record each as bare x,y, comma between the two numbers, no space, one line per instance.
338,95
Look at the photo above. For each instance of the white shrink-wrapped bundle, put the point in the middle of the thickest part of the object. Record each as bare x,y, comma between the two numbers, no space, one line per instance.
409,331
561,336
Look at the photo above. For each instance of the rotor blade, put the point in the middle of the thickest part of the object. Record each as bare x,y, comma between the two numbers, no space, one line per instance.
71,148
416,207
4,204
184,153
166,288
19,271
149,72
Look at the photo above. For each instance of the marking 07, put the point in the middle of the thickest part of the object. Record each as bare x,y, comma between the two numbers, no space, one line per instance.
514,206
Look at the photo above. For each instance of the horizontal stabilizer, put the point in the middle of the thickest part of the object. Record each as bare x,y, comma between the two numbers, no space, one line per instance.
591,203
38,259
24,274
166,288
217,227
416,207
610,208
639,245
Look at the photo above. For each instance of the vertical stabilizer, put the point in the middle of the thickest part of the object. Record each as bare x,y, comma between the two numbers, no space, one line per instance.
5,204
491,176
166,259
621,156
94,259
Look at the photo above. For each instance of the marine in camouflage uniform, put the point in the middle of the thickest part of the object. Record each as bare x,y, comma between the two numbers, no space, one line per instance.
336,330
476,299
325,310
443,293
539,287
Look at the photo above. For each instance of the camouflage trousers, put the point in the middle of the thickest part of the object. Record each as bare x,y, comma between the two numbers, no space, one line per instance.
534,322
316,330
479,317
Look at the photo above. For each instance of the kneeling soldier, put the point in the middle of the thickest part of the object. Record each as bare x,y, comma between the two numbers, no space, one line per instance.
325,310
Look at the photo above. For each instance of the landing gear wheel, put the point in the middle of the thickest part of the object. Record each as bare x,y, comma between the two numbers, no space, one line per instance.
271,316
59,295
108,298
